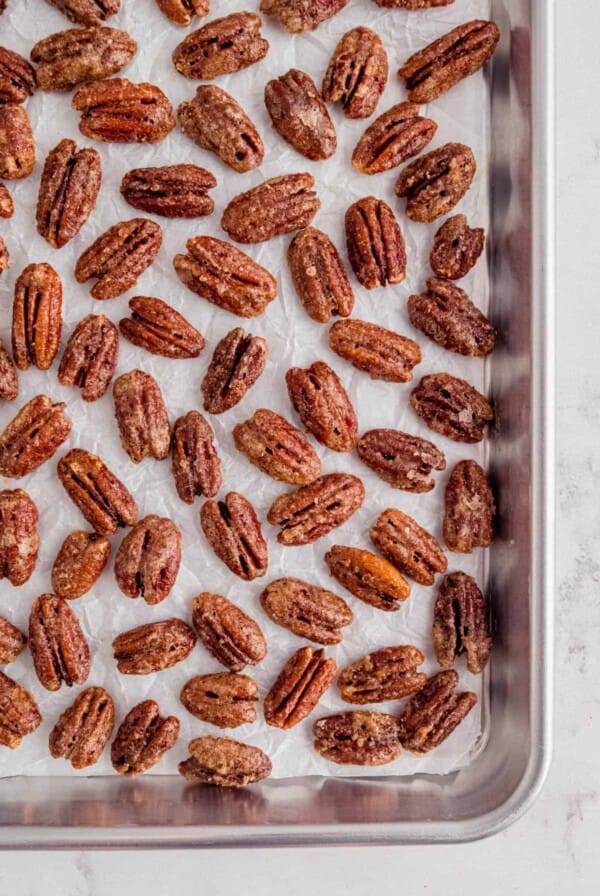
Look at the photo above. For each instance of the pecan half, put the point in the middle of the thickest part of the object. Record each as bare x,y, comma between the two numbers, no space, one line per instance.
3,256
461,623
386,674
224,699
408,546
319,275
233,531
87,12
160,329
225,762
17,147
306,610
118,111
83,730
233,638
237,362
19,537
357,73
299,687
79,563
9,379
461,52
277,448
17,77
68,192
368,577
456,248
469,508
7,206
19,713
32,437
148,559
277,206
297,16
153,647
432,715
195,463
173,191
393,138
435,182
381,353
447,315
119,257
58,646
375,243
323,405
12,642
37,317
313,510
142,416
300,116
403,460
144,736
452,407
223,46
181,12
357,738
102,498
72,57
90,356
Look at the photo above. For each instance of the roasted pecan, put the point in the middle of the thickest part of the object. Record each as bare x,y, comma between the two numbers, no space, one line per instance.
432,715
237,362
32,437
148,559
435,182
233,531
301,15
386,674
442,64
447,315
233,638
79,563
58,646
102,498
224,699
37,317
221,47
160,329
452,407
300,116
299,687
403,460
84,729
461,623
153,647
12,642
277,448
306,610
323,405
7,207
144,736
381,353
17,147
3,256
87,12
408,546
73,57
357,73
19,538
19,713
118,111
319,275
9,380
173,191
456,248
119,257
68,191
277,206
17,77
224,762
368,577
469,509
397,135
357,738
375,243
90,356
141,416
182,11
195,463
315,509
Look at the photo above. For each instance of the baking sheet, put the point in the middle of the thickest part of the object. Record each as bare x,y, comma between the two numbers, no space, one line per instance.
462,115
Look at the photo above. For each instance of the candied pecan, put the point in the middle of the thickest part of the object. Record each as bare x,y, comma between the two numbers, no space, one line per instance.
17,147
432,715
181,12
7,206
233,638
160,329
403,460
237,362
224,699
37,317
3,255
173,191
224,762
299,687
393,138
78,55
222,46
375,243
153,647
314,510
300,116
357,738
386,674
148,559
17,77
68,191
306,610
408,546
456,248
9,380
442,64
118,111
195,463
323,405
12,641
357,73
277,206
19,538
447,315
144,736
277,448
87,12
102,498
469,509
58,646
452,407
19,713
79,563
381,353
461,623
32,437
435,182
83,730
90,357
319,275
297,16
141,416
119,257
233,531
368,577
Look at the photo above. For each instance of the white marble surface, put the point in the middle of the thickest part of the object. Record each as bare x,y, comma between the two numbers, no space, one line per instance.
556,845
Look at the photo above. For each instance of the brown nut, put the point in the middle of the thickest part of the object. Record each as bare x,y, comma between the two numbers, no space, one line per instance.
233,531
381,353
118,111
195,463
17,146
33,436
19,713
79,563
452,407
37,317
375,243
90,357
432,715
461,623
19,537
297,16
299,687
386,674
306,610
368,577
408,546
119,257
83,730
357,738
17,77
148,559
447,315
277,448
12,642
144,736
173,191
313,510
323,405
73,57
434,183
58,646
9,378
7,206
357,73
277,206
224,699
222,46
87,12
300,116
456,248
68,192
102,498
393,138
224,762
237,362
141,416
468,509
403,460
181,12
231,636
160,329
319,275
153,647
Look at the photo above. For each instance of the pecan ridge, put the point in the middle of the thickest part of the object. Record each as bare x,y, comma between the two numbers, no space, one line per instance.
237,362
357,73
233,637
68,192
313,510
37,317
233,531
90,356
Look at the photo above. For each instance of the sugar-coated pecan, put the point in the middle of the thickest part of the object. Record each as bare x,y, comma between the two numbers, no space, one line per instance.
3,256
153,647
368,577
119,257
181,12
357,738
17,77
141,416
452,407
403,460
160,329
7,206
456,248
442,64
118,111
277,206
306,610
233,531
103,500
233,638
323,405
432,715
299,687
435,182
58,646
173,191
386,674
12,642
224,762
148,559
19,537
393,138
87,12
83,730
357,73
9,379
72,57
195,463
237,362
447,315
224,699
37,317
143,737
221,47
461,623
19,713
17,147
314,510
319,275
277,448
375,243
381,353
32,437
79,563
468,508
408,546
68,191
297,16
300,116
90,356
